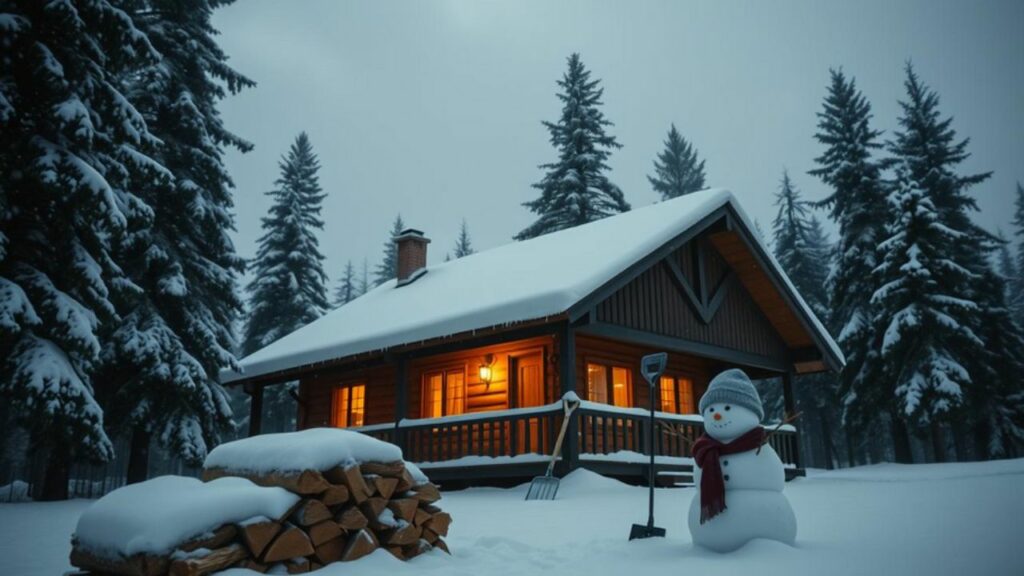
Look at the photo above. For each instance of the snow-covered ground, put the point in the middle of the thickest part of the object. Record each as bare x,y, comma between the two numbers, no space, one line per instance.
887,519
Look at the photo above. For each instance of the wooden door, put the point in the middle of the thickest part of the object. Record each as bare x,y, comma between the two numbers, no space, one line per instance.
527,372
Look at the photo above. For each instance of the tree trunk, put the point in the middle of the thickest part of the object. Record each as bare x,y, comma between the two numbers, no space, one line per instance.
826,436
901,441
938,442
849,448
138,456
58,473
961,444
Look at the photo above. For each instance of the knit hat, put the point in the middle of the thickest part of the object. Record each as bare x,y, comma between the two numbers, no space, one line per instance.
733,387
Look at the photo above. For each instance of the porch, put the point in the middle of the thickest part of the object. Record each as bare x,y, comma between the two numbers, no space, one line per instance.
517,443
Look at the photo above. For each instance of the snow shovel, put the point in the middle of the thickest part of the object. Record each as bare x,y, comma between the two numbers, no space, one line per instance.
545,487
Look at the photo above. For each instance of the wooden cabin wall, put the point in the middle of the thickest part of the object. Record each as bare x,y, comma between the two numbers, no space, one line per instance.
594,349
653,303
479,396
316,394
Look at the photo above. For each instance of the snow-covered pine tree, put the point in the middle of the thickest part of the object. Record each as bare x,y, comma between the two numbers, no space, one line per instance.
928,154
463,246
857,203
803,251
388,267
794,247
676,169
288,289
347,290
996,401
575,189
162,361
73,151
1016,284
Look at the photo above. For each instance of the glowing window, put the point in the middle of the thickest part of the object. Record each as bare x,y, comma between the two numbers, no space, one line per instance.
677,395
349,405
605,382
444,393
669,400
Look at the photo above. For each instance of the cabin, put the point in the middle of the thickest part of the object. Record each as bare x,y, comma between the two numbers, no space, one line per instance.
465,364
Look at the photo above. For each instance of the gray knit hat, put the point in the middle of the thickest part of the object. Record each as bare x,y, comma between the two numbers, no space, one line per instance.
733,387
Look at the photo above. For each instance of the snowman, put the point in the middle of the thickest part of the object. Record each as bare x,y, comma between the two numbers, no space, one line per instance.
739,478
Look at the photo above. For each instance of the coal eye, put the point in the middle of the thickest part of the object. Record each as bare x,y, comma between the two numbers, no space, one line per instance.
727,407
711,409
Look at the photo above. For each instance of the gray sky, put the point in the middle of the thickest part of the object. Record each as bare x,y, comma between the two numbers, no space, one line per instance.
434,108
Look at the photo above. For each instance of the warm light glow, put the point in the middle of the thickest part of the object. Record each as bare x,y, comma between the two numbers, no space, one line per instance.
485,373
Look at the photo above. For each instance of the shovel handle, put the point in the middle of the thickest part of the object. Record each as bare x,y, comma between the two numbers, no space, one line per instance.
568,406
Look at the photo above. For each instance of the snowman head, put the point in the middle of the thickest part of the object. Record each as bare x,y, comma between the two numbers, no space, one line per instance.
726,422
731,406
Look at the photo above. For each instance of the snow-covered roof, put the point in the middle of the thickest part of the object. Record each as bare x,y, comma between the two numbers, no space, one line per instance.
521,281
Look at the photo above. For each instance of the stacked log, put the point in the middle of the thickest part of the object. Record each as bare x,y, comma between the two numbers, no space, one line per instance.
343,514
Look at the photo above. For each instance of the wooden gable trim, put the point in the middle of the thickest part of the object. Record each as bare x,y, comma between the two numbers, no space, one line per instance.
703,306
736,227
585,304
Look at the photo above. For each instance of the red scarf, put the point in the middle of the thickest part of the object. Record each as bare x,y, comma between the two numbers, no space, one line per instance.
707,451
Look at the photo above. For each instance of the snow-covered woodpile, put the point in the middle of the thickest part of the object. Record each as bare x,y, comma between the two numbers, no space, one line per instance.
349,500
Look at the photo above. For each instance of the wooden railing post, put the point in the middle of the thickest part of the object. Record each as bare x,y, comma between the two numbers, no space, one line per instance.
255,408
789,402
567,380
401,403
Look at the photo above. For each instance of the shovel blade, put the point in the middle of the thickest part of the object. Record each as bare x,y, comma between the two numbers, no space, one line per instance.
639,531
543,488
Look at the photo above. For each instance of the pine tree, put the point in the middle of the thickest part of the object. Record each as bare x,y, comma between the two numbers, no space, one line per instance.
995,403
676,169
162,361
364,278
72,153
795,233
388,268
857,203
927,321
575,189
347,290
288,290
463,246
1016,284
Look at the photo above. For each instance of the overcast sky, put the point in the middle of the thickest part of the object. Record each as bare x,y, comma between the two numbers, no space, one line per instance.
433,109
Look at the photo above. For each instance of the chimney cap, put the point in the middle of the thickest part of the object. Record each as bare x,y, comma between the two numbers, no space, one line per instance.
412,234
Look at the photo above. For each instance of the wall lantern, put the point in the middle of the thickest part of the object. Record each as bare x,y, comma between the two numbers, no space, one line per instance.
486,372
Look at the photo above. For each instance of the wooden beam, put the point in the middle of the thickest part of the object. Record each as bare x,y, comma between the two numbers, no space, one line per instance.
401,397
691,347
567,383
789,402
255,409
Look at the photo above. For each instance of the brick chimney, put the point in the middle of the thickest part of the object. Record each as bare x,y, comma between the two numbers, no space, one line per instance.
412,255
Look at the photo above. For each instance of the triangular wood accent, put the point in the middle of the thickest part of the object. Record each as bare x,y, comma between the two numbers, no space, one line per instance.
704,303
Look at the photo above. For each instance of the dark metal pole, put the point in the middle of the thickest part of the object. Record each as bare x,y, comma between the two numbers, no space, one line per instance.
650,471
651,367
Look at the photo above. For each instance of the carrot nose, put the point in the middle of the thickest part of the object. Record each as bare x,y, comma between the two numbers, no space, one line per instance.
717,416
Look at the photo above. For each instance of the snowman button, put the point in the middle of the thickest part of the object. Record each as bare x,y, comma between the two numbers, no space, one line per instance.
726,477
725,462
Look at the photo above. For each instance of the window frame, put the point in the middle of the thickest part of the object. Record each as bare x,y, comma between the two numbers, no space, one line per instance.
677,377
336,393
443,370
609,366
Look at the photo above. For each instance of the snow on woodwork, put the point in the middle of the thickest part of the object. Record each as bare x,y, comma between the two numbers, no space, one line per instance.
294,501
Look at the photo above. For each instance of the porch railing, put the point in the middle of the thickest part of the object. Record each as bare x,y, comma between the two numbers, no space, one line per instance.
604,431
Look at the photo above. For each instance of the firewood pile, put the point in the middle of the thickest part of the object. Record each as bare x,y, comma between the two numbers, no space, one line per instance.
342,514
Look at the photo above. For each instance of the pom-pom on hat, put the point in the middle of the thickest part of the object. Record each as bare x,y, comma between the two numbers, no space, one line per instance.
733,387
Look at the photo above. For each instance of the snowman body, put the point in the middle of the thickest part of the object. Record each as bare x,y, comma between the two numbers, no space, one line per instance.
755,504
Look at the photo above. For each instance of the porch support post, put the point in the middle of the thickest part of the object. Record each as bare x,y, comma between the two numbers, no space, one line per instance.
401,399
255,408
567,380
789,402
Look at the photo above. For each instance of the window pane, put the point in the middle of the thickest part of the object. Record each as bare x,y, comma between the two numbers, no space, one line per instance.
597,383
341,403
432,395
456,392
358,405
686,396
620,386
668,395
